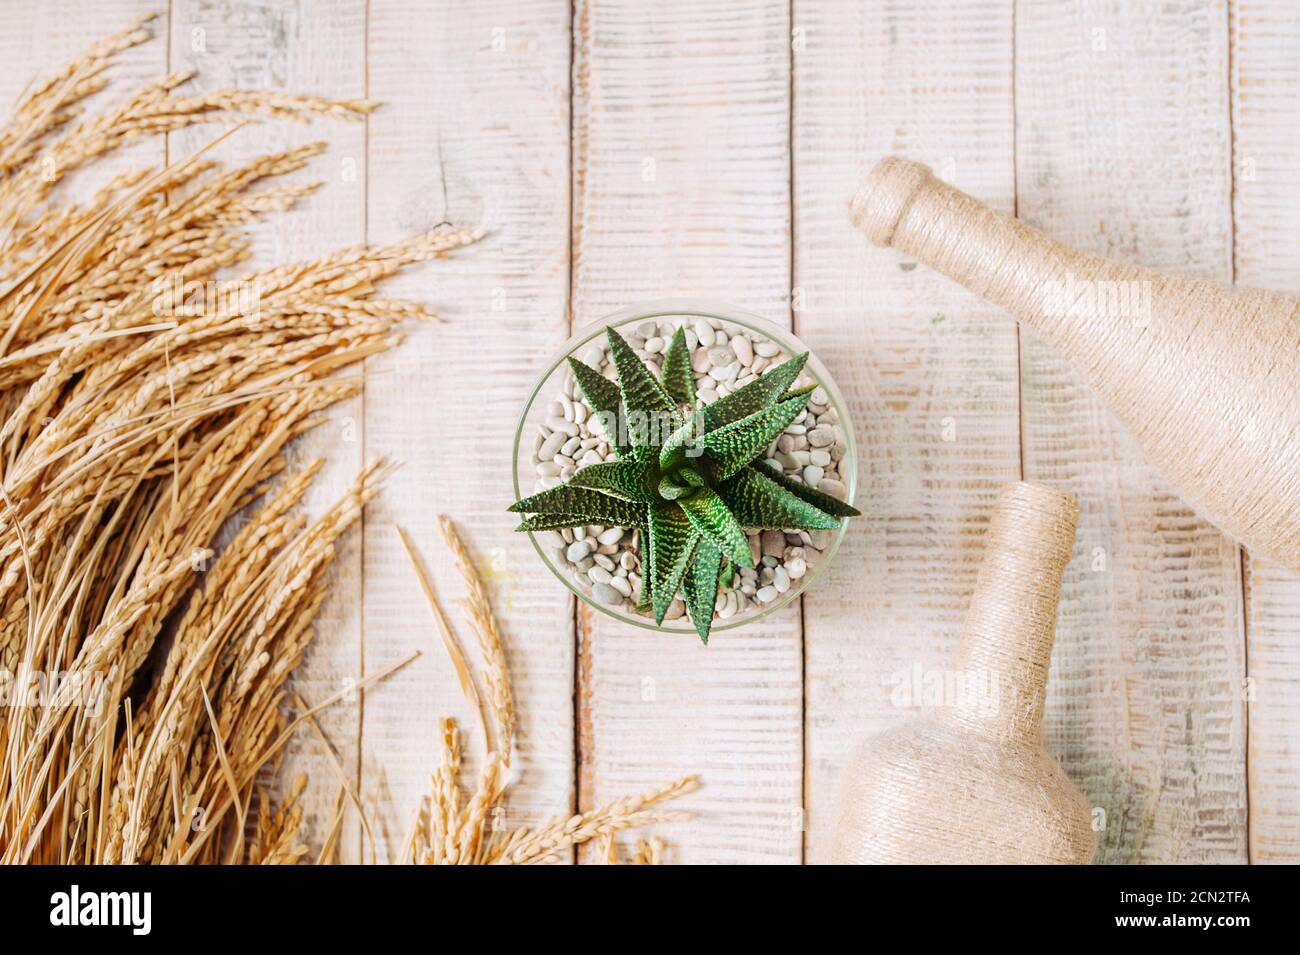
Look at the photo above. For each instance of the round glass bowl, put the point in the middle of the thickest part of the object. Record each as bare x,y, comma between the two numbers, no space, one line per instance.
552,409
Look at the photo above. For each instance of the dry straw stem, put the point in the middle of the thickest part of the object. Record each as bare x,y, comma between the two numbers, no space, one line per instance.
136,420
455,828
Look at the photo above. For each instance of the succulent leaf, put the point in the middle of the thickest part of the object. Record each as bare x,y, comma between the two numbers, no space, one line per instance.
731,447
553,522
709,514
756,500
625,479
701,586
596,506
605,400
643,595
819,499
678,377
672,543
645,402
676,450
760,393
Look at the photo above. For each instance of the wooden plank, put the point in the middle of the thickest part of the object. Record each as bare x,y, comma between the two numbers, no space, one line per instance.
474,129
278,45
681,188
1266,216
928,370
1124,149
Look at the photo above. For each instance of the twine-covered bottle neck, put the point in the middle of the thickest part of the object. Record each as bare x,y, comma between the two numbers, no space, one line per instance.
1006,646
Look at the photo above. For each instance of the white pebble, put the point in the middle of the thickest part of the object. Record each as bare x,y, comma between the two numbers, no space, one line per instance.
599,575
743,348
796,568
812,475
577,551
820,457
611,535
766,349
835,489
560,424
622,585
721,356
766,594
654,345
551,445
704,331
606,594
548,469
781,580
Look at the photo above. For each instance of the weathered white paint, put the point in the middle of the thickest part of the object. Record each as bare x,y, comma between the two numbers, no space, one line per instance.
1266,214
928,370
474,130
1123,148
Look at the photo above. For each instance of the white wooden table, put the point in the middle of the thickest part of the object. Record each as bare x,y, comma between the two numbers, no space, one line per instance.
620,151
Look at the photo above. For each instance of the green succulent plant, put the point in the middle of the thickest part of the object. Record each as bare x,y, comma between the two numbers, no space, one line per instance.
690,481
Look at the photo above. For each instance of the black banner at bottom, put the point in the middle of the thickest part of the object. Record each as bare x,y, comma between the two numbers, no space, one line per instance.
303,904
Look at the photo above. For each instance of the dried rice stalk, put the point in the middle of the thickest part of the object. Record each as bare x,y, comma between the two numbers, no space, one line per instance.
136,419
450,830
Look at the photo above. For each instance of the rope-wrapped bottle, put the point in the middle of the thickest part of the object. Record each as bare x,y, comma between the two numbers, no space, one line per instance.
1207,378
971,781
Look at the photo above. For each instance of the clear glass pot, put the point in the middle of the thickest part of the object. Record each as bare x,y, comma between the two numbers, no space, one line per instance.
550,385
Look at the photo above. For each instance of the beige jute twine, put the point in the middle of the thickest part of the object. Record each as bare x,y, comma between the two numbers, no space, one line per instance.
970,780
1206,378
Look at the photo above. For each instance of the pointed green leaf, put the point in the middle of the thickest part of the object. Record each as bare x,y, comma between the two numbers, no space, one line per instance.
670,489
642,603
651,412
731,447
710,515
819,499
672,542
681,444
625,479
680,482
606,403
677,376
756,500
760,393
596,506
553,522
701,586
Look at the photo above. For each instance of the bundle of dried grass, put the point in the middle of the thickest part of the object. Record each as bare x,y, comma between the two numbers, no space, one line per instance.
452,828
145,688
